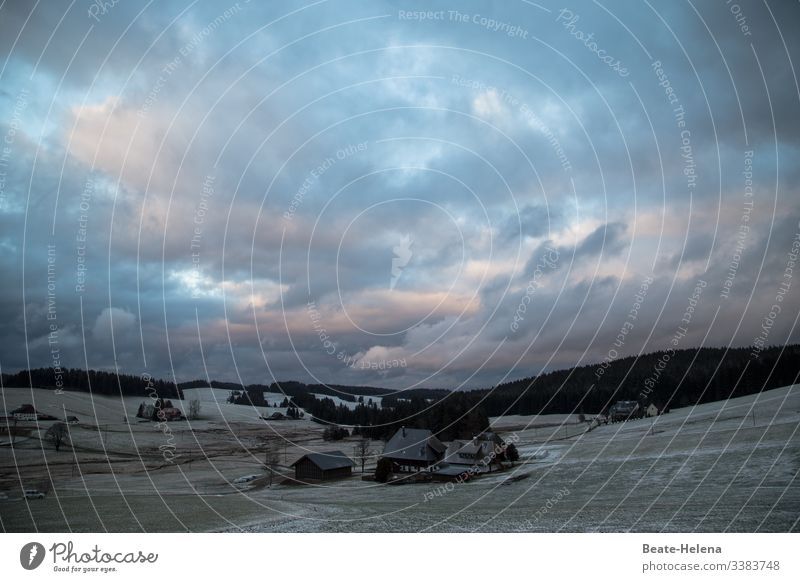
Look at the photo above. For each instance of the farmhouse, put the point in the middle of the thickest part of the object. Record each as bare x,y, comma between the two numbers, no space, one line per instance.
623,410
465,459
322,466
170,413
413,449
26,412
478,453
164,412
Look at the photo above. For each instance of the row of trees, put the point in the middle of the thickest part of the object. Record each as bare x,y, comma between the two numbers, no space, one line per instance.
671,378
456,416
674,379
94,381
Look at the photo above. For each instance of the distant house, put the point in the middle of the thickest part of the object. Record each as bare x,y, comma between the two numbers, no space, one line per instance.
275,416
25,412
479,453
152,412
623,410
490,436
654,409
168,414
72,420
23,416
322,466
413,449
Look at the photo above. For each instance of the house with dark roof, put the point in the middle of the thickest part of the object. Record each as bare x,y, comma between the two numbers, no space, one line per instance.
322,466
624,410
413,449
479,453
26,412
465,459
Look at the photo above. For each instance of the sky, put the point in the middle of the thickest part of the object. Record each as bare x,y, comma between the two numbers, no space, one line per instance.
397,194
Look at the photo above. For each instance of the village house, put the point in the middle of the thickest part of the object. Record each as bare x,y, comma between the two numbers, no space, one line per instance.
171,413
654,409
623,410
413,449
322,466
481,454
26,412
155,413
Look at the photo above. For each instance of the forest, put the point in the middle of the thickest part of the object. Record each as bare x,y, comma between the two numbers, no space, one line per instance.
671,379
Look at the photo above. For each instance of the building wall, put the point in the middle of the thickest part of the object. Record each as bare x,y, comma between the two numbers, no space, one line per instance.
406,466
305,470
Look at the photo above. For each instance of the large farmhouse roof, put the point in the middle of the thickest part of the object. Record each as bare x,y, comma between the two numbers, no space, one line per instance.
327,460
414,444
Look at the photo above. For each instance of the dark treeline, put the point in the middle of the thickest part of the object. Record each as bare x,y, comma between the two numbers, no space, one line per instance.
213,384
299,390
94,381
669,378
449,417
352,393
672,379
291,388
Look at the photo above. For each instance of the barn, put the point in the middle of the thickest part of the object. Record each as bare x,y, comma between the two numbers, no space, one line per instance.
322,466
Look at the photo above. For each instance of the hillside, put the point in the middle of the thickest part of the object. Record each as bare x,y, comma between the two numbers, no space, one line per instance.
671,378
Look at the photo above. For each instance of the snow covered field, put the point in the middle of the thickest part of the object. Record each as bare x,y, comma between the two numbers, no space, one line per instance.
351,405
724,466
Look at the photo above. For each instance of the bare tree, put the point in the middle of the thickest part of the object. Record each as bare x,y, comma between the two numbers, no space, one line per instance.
58,433
194,409
271,459
362,452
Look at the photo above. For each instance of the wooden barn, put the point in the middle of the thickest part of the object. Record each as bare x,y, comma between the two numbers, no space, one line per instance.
322,466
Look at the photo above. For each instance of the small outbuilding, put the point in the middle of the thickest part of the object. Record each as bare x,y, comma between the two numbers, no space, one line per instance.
323,466
655,409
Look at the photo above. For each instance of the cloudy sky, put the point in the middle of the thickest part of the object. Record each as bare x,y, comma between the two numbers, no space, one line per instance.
357,192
